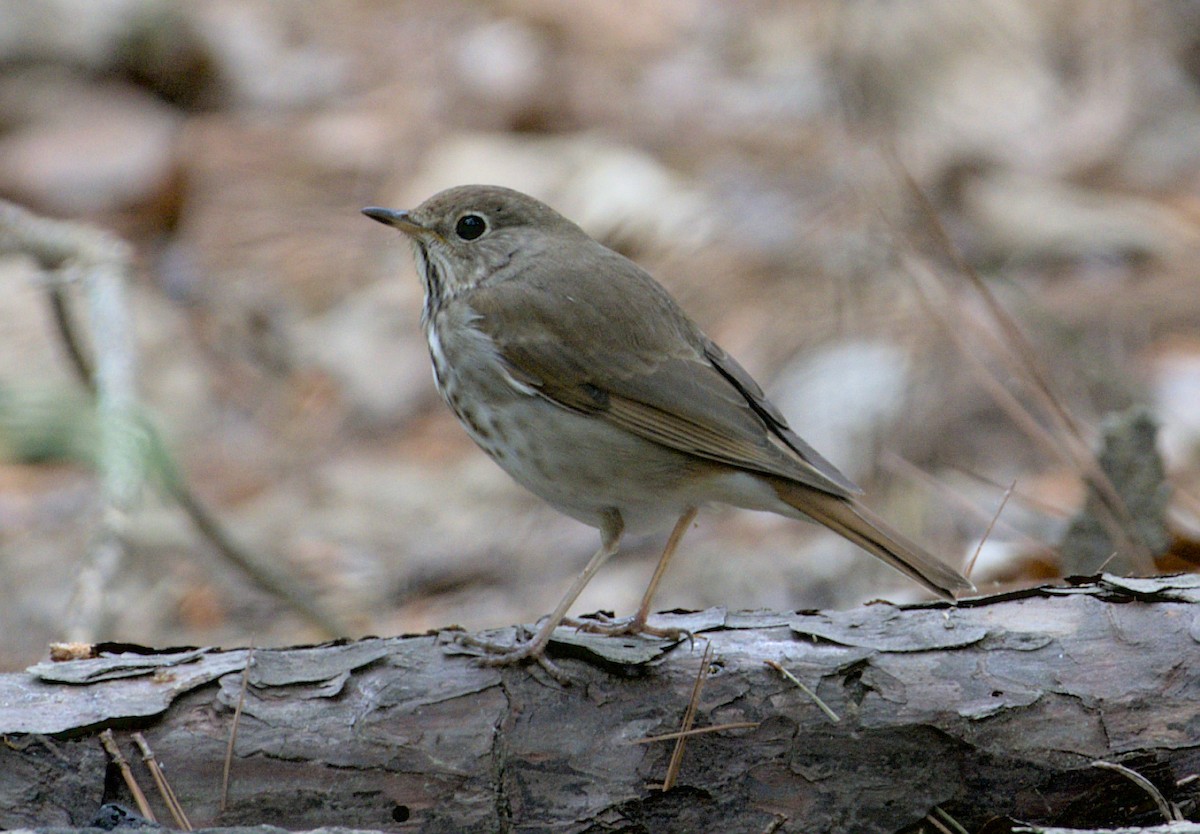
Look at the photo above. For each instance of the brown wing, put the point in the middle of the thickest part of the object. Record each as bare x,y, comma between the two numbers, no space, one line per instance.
610,342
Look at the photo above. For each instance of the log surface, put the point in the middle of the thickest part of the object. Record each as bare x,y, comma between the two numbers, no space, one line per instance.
992,709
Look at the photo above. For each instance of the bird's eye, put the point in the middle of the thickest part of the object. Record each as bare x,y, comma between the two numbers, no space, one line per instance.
470,226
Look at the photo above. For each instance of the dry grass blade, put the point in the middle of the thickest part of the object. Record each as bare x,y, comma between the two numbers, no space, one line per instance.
164,787
1073,451
237,716
1104,565
988,532
716,728
948,820
953,497
689,716
775,825
924,281
110,744
778,667
1169,812
1030,502
932,820
1024,362
1014,338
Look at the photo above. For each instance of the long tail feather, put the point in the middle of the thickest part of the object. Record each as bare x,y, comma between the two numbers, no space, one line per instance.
851,520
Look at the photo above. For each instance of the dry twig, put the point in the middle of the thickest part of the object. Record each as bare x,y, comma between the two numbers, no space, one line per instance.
943,822
114,750
237,716
1022,361
1169,811
164,787
689,716
698,731
778,667
988,532
130,448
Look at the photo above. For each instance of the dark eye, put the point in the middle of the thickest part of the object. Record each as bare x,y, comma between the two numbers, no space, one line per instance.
470,226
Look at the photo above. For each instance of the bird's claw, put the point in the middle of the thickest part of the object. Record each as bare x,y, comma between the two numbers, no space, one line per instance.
524,650
601,623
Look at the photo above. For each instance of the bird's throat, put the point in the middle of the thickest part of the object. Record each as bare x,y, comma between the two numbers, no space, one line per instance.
431,280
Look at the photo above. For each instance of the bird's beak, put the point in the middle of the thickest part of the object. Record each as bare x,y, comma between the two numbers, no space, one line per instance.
401,220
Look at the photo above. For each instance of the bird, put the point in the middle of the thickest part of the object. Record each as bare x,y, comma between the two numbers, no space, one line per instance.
579,374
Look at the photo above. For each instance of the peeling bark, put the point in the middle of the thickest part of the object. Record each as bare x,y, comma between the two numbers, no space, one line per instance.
992,710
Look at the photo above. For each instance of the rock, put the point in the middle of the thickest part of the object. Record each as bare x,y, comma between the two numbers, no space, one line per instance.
266,56
1028,217
372,345
616,192
83,33
1132,465
83,149
841,399
1176,391
502,62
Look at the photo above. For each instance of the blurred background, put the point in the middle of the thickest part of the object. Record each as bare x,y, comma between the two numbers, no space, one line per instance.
767,161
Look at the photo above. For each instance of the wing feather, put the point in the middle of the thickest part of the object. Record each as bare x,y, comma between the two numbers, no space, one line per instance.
656,375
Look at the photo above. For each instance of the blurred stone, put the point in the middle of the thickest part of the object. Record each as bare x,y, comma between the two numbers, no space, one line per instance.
102,147
751,76
842,398
1176,390
1025,217
348,140
502,62
993,80
1157,157
267,54
633,26
372,344
939,61
163,51
1130,461
149,41
616,192
71,32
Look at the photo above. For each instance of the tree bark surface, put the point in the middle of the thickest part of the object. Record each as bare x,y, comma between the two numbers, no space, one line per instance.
990,711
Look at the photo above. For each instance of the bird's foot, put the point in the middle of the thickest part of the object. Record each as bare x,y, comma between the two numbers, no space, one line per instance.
601,623
526,649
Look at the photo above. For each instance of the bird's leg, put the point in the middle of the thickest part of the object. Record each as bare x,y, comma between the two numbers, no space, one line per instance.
534,648
637,623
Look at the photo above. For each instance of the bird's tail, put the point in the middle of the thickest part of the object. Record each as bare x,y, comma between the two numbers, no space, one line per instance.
851,520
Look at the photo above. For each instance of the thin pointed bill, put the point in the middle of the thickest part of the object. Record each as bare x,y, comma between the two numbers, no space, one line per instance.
396,218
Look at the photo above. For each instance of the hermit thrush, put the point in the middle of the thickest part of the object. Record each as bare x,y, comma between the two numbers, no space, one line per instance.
585,381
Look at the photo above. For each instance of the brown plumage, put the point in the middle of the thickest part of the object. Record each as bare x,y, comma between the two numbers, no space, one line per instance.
579,374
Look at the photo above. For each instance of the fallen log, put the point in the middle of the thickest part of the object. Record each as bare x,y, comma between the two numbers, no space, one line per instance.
982,713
